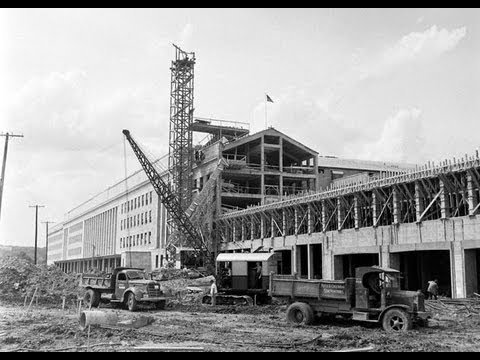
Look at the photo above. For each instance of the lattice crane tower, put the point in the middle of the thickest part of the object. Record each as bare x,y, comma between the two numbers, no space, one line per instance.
180,160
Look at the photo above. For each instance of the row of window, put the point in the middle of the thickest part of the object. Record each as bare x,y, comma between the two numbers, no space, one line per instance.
138,202
136,240
136,220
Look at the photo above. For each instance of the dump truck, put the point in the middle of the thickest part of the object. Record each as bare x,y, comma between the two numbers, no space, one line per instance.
124,286
374,295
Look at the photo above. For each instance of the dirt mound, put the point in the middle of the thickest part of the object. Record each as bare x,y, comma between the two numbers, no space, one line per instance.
19,277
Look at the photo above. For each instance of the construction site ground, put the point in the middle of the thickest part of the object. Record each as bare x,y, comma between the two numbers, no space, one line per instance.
454,327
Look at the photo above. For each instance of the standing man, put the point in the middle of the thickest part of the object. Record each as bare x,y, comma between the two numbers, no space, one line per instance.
258,276
432,289
213,292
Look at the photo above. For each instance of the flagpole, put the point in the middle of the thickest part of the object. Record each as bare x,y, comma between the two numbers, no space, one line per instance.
265,100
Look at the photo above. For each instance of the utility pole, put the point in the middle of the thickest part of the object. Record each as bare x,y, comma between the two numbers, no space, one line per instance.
4,164
46,239
36,228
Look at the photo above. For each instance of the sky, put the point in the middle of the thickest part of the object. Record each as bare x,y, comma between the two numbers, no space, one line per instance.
397,85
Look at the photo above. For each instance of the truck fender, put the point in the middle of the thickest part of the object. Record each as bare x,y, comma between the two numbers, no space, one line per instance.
395,306
138,293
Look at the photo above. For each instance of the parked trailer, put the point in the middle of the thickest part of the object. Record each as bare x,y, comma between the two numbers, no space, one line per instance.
125,286
373,295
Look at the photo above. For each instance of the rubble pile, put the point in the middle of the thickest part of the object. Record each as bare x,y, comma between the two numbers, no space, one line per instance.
20,278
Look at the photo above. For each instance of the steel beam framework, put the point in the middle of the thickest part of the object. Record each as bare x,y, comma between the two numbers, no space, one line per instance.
449,189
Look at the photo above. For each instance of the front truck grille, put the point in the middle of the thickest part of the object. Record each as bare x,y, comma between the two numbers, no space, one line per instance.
152,292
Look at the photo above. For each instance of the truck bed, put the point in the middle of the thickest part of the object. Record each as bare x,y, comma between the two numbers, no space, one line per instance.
96,282
293,287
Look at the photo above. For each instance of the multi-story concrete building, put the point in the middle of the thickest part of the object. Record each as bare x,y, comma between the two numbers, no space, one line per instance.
127,224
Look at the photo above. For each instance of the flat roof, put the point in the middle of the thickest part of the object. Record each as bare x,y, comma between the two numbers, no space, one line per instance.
253,257
341,163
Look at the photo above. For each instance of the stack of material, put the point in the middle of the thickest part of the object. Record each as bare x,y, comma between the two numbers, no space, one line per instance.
454,307
20,278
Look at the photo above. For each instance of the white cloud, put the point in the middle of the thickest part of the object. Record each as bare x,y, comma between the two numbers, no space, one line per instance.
401,140
416,46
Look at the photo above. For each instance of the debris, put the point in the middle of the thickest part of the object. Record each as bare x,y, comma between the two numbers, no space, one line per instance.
164,348
365,349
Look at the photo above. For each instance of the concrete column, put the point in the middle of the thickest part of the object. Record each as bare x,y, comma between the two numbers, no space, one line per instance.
295,260
419,207
315,170
472,201
396,207
340,213
374,207
284,223
385,256
444,201
324,216
310,261
457,270
356,212
327,265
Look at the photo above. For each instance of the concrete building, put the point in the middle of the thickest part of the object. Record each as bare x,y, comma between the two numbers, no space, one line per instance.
127,224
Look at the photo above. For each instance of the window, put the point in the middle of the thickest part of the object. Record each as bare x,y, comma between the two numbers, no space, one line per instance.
138,219
143,200
138,239
141,239
149,237
194,183
142,218
150,216
121,225
121,209
201,183
150,197
146,239
122,277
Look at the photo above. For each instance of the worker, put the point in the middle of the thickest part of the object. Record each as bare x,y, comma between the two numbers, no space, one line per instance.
258,276
213,292
432,289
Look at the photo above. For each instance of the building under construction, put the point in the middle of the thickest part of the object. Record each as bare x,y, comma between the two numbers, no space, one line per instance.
267,192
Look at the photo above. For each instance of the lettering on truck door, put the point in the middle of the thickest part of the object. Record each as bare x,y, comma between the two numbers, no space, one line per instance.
122,285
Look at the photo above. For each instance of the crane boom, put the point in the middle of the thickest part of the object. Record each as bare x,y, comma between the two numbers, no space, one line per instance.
170,201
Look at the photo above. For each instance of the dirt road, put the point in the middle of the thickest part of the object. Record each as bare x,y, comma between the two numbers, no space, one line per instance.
227,329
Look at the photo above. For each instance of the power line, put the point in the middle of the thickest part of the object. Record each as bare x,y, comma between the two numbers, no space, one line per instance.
36,228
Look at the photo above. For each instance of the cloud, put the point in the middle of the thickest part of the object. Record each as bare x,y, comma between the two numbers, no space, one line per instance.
413,48
401,140
416,46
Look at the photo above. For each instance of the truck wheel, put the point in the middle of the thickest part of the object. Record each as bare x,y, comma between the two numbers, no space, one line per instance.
396,320
131,302
91,298
160,305
300,314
